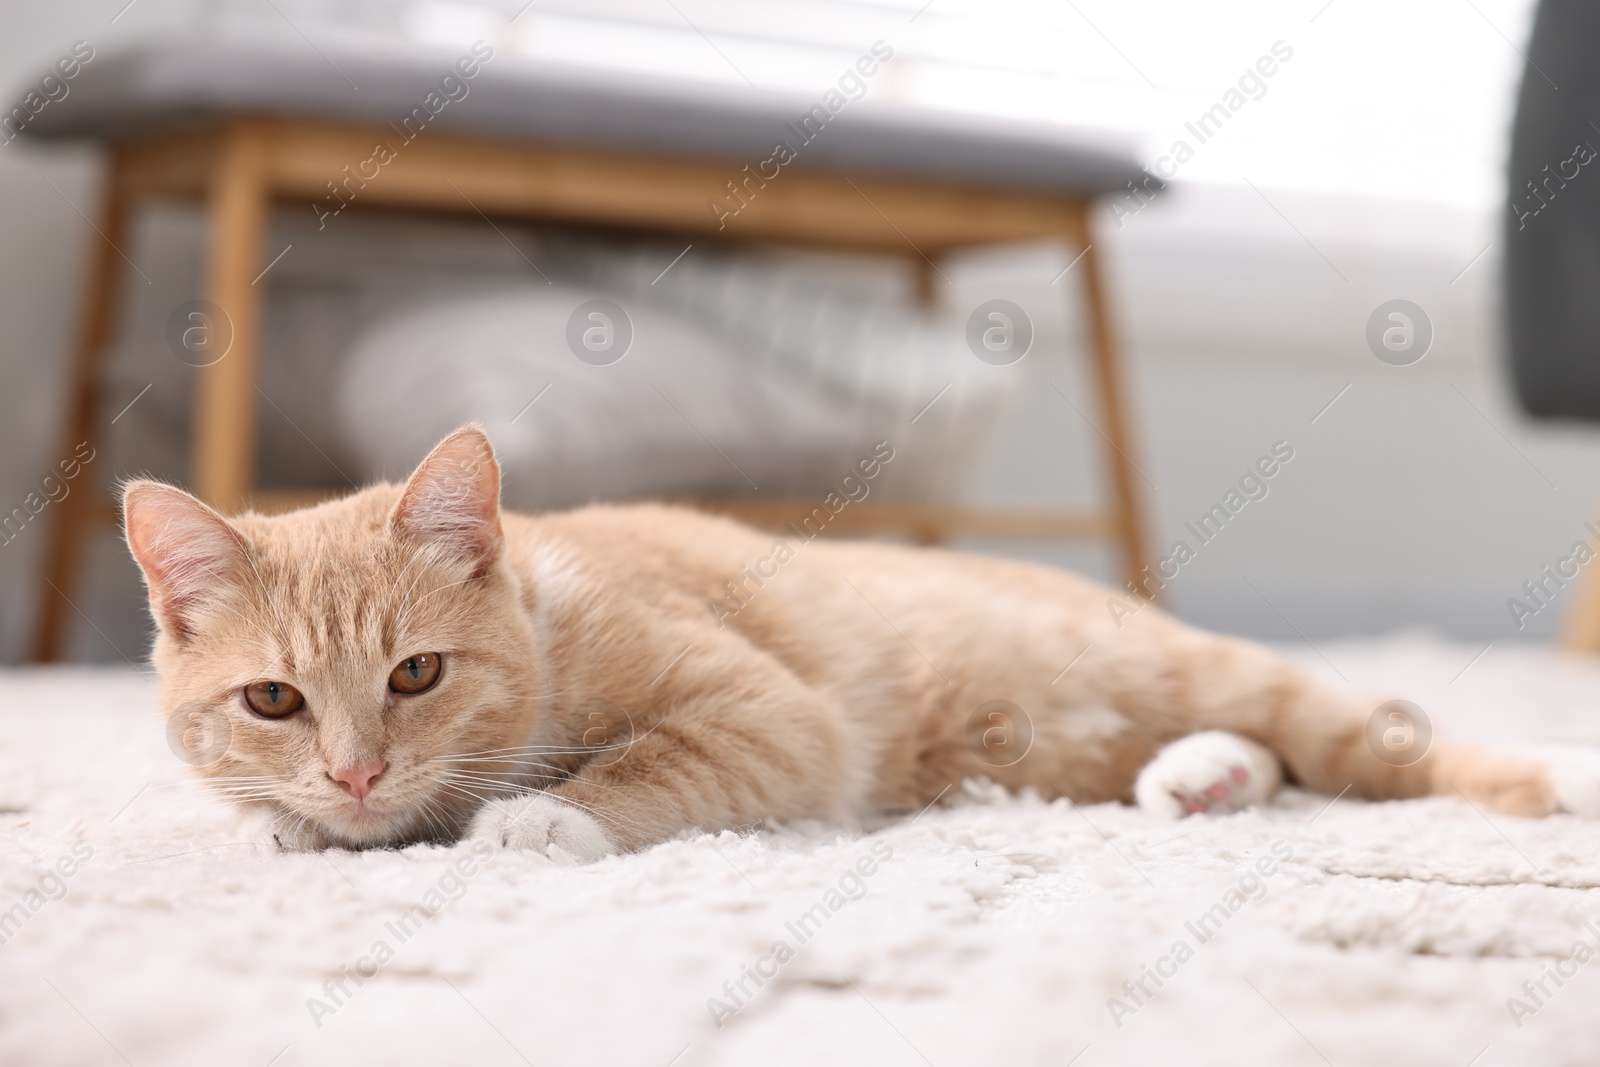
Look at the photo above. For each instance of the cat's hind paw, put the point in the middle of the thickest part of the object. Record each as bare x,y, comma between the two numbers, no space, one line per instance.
540,823
1575,779
1213,772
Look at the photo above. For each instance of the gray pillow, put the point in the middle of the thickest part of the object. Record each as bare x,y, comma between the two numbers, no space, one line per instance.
679,413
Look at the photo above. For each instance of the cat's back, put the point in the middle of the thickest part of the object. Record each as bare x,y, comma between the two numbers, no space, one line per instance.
664,552
631,537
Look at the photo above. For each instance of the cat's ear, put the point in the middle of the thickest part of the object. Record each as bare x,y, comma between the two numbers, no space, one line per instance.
452,500
187,551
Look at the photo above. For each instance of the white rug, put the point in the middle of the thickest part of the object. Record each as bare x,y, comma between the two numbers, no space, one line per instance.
996,932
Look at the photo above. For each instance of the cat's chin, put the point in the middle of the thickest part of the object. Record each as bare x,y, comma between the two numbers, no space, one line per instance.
296,834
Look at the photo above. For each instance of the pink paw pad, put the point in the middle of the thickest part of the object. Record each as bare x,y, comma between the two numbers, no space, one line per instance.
1209,773
1215,792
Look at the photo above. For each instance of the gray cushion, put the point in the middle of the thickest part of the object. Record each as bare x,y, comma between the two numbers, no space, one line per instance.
153,86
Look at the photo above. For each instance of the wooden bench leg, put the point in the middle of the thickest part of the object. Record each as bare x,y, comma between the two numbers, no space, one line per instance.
930,284
1580,631
74,518
225,404
1105,361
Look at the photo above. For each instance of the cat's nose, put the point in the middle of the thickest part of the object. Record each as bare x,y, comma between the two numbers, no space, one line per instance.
357,781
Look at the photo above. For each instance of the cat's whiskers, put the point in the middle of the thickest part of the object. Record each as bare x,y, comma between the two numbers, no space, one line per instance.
536,750
555,750
200,783
520,781
243,794
484,783
455,761
477,799
474,724
600,815
438,820
235,787
300,819
507,772
170,802
467,782
548,783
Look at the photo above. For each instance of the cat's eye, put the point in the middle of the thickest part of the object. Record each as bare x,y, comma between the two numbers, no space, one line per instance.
416,674
273,700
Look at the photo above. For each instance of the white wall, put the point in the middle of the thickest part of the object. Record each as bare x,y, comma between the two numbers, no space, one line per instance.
1421,497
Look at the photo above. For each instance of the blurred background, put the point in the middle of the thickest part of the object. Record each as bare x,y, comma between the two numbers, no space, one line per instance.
1370,167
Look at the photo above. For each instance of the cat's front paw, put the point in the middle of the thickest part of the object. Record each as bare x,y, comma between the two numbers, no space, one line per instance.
540,823
1213,772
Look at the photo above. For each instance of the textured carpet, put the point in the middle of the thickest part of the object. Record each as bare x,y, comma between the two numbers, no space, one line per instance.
157,927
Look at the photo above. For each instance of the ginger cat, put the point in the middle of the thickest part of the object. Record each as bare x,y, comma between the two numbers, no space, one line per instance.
409,663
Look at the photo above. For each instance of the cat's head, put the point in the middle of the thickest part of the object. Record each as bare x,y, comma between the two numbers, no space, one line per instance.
353,666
